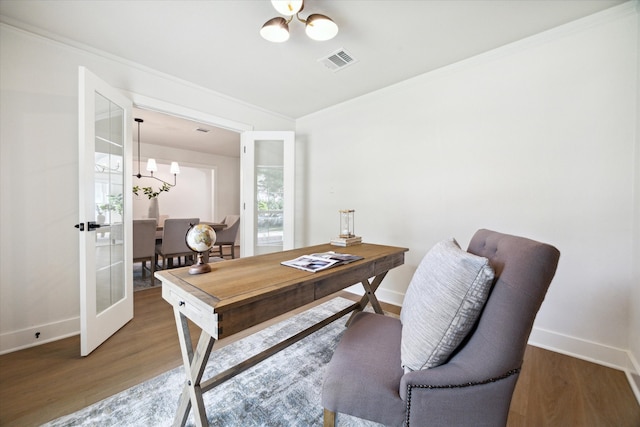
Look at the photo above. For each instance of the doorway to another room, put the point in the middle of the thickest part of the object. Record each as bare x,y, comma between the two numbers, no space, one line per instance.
208,184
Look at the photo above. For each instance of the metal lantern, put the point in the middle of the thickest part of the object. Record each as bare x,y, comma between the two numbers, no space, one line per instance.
347,236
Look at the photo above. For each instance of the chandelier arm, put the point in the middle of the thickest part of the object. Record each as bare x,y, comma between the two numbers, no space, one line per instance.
304,21
158,179
165,182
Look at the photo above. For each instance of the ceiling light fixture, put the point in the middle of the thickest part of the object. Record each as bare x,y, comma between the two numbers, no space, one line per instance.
318,27
152,166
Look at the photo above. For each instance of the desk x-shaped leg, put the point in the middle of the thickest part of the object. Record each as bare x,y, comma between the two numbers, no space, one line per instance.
370,295
194,365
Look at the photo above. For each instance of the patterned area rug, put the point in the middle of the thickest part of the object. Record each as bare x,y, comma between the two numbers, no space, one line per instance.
284,390
140,283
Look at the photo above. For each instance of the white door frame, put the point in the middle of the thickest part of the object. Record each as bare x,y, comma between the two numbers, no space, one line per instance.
153,104
145,102
148,103
160,106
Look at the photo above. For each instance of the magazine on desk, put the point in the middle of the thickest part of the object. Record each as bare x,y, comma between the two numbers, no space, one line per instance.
320,261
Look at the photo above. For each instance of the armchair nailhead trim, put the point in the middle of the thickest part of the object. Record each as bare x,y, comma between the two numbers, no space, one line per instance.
450,386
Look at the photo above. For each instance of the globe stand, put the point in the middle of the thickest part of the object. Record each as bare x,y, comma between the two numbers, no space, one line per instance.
199,267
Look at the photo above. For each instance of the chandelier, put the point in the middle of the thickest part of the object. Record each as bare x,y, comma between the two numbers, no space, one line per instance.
318,27
153,167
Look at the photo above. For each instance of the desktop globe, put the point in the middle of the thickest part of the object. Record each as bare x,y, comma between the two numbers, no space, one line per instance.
200,238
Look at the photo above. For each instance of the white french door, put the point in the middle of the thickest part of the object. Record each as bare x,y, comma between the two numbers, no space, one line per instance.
106,278
267,191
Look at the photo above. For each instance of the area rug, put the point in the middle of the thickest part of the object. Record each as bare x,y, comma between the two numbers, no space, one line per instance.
140,283
284,390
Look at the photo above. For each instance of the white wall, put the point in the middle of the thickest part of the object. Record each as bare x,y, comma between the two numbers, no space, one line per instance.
192,198
535,139
39,281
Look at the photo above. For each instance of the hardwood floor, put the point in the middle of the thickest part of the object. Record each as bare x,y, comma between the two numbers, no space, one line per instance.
45,382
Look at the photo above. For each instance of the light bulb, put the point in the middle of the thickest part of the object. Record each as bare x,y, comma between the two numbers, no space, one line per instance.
320,27
287,7
275,30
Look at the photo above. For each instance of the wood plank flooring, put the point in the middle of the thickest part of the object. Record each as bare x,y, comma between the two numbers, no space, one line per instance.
45,382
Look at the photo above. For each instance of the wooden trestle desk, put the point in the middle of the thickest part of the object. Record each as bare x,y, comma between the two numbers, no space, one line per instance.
244,292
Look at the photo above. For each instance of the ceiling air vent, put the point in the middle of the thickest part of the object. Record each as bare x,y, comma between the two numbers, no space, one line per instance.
338,60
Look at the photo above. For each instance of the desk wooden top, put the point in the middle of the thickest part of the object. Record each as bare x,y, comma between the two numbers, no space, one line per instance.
246,291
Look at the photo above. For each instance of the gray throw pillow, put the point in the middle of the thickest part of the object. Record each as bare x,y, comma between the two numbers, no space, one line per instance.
442,303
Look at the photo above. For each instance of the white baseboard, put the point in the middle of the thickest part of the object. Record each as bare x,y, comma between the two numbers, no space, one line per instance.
25,338
611,357
383,295
582,349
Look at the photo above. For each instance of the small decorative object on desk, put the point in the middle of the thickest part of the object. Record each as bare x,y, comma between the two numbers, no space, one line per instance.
200,238
346,237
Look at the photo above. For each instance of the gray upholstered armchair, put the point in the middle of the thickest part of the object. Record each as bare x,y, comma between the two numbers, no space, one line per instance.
368,376
227,236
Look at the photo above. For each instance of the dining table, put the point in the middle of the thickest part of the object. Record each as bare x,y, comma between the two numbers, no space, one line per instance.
217,226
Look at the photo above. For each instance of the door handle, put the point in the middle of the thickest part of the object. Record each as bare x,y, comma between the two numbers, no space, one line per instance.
91,225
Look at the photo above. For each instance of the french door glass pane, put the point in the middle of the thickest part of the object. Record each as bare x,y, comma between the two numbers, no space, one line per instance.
269,174
109,178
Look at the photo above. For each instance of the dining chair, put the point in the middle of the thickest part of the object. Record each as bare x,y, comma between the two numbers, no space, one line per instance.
227,236
144,244
173,241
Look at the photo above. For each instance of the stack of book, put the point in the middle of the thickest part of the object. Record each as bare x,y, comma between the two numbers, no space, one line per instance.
346,241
